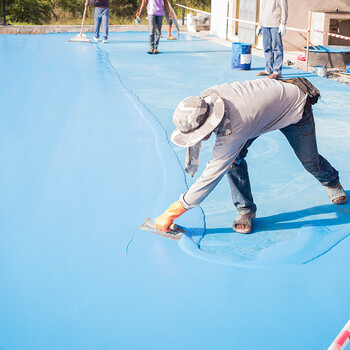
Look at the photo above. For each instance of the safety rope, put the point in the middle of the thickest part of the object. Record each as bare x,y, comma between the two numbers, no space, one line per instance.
288,28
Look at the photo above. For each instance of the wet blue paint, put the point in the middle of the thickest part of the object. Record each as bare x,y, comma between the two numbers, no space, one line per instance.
84,159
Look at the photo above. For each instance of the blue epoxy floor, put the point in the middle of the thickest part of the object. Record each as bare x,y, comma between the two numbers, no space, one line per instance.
84,159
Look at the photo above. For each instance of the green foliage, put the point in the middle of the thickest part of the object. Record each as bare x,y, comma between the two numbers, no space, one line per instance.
196,4
44,11
30,11
124,8
73,7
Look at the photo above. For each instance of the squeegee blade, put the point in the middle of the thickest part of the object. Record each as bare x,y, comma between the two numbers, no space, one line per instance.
175,233
80,38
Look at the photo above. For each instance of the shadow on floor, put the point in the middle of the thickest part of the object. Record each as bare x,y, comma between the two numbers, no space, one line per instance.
292,220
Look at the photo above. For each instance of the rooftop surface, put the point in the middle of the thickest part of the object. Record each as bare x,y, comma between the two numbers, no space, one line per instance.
85,158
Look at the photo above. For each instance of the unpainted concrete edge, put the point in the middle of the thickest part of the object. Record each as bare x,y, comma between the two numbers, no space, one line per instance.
43,29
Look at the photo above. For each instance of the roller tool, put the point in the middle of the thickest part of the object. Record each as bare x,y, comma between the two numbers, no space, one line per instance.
81,38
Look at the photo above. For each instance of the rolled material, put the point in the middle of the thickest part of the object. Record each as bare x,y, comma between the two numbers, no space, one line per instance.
342,339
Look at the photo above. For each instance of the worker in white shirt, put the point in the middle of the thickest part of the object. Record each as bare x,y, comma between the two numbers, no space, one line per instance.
272,26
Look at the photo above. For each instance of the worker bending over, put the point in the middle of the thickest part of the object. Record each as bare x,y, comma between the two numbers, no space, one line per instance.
237,114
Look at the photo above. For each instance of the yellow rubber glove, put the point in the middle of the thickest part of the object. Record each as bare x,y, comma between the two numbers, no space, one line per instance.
163,222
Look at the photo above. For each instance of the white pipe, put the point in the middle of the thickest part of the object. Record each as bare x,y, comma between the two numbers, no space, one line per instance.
82,23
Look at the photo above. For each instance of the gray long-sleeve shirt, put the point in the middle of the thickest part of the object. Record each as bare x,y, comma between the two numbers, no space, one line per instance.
252,108
273,13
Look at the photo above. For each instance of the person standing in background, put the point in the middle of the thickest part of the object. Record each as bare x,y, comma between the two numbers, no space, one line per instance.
155,11
272,26
101,14
170,23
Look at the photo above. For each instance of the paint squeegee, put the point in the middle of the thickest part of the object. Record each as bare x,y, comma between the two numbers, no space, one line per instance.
175,232
81,38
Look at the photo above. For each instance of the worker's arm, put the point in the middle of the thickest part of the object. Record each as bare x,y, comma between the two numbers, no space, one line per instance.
167,7
163,221
258,30
89,2
143,4
224,153
211,176
284,16
284,12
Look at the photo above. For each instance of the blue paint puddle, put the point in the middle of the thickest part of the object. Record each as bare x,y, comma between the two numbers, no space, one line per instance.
281,237
262,249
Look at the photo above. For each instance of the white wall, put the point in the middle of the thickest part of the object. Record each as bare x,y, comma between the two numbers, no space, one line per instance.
218,25
317,23
222,28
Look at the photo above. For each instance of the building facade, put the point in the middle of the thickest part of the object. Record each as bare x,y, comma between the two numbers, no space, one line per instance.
329,16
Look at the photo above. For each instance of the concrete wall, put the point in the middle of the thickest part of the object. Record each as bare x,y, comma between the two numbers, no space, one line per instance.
40,29
298,18
232,28
344,27
218,23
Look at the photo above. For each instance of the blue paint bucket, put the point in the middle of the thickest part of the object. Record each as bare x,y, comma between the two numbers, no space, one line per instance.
347,68
241,56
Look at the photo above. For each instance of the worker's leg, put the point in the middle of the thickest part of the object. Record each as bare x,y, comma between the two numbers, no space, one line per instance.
277,49
98,18
151,31
158,29
105,21
267,42
169,22
169,31
239,182
301,136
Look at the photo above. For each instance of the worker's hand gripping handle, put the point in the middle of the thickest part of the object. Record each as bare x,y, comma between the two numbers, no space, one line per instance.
163,221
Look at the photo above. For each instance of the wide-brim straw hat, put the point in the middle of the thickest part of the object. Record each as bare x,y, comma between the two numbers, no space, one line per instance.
195,118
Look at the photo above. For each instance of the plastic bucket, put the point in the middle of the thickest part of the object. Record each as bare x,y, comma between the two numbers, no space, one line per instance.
241,56
321,71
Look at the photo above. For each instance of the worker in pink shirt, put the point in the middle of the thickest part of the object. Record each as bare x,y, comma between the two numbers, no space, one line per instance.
155,12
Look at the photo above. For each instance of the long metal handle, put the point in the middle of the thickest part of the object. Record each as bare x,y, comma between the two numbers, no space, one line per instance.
82,23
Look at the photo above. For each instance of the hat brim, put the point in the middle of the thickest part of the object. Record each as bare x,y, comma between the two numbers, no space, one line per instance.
216,113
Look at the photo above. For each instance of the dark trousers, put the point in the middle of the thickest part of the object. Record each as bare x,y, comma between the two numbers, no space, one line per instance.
301,136
154,30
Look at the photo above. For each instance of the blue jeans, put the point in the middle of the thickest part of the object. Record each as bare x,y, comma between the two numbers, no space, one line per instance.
273,49
301,136
101,14
154,29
